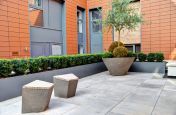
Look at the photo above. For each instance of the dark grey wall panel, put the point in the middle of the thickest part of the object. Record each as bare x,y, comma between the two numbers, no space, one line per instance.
52,14
40,49
45,35
12,87
149,67
55,14
45,12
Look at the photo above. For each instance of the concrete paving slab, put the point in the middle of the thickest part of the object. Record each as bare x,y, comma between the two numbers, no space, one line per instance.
166,104
103,94
128,108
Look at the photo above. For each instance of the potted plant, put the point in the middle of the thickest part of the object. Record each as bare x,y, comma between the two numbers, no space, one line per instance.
121,16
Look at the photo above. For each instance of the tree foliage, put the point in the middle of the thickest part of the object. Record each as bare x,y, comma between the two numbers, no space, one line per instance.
122,16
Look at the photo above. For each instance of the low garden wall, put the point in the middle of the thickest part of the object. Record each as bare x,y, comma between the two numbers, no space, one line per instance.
149,67
12,87
149,63
18,72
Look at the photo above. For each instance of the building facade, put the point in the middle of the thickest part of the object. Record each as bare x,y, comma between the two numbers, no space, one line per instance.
159,28
56,27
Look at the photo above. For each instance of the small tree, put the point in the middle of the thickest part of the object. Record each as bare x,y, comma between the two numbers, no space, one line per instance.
121,17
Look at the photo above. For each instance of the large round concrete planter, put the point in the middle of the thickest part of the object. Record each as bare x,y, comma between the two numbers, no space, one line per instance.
118,66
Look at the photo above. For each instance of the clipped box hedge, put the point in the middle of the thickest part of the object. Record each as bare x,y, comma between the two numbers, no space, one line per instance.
9,68
150,57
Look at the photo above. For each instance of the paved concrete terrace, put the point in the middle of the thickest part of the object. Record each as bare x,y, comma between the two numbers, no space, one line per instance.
103,94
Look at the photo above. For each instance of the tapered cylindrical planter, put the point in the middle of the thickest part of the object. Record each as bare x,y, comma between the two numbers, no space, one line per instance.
118,66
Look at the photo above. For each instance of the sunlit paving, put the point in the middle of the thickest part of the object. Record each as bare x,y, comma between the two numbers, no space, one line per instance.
87,57
103,94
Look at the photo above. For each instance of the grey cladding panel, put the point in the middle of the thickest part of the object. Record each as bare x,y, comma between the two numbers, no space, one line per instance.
55,14
40,49
52,30
45,35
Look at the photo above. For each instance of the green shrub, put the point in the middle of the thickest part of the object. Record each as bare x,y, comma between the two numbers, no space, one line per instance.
20,66
5,68
120,52
43,62
131,54
55,62
88,59
142,57
34,65
114,45
64,61
151,57
107,55
74,60
159,57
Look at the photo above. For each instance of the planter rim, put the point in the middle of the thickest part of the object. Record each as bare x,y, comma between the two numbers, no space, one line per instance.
149,62
118,66
118,57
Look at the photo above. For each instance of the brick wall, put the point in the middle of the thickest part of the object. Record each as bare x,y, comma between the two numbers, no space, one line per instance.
158,31
14,29
159,28
71,24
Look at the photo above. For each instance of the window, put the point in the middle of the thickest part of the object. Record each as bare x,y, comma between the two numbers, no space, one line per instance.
134,47
96,15
35,3
80,49
80,26
97,26
96,21
80,21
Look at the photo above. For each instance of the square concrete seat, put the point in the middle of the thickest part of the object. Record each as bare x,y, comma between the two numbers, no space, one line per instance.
171,68
65,85
36,96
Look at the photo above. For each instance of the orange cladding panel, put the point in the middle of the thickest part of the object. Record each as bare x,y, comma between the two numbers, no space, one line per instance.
14,29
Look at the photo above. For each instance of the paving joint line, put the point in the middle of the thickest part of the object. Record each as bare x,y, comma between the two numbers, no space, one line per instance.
158,97
125,97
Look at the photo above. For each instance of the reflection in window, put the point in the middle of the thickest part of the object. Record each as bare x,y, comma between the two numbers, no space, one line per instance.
96,21
96,15
35,13
97,26
80,21
80,26
79,15
35,3
80,49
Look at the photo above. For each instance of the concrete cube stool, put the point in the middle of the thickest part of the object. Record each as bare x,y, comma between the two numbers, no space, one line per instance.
36,96
65,85
171,68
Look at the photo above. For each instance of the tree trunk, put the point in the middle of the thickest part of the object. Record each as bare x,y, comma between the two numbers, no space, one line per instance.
119,39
